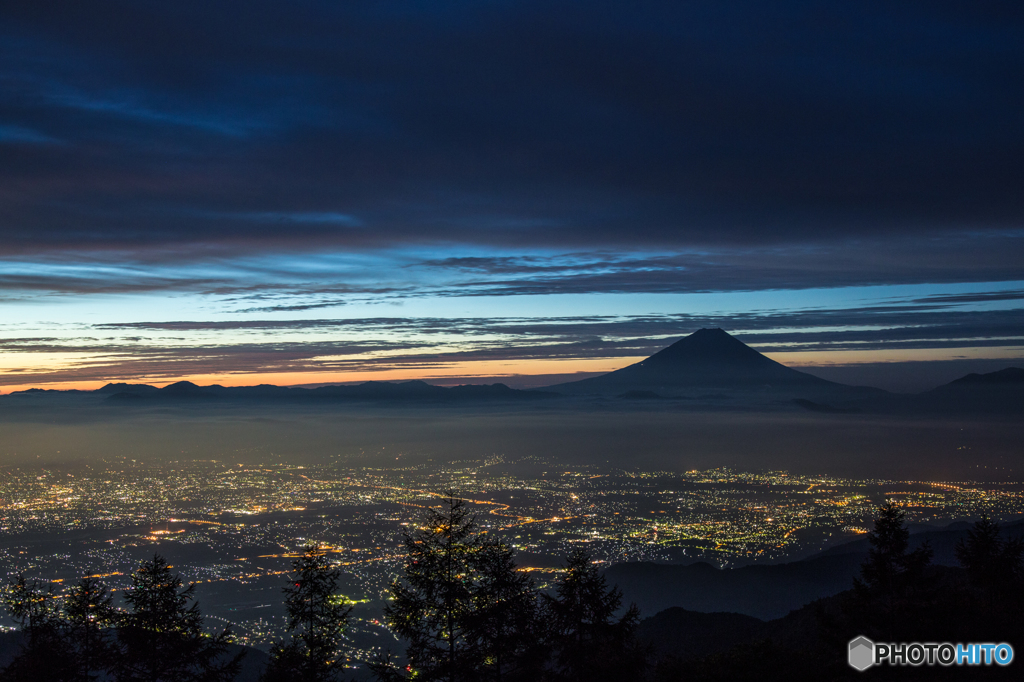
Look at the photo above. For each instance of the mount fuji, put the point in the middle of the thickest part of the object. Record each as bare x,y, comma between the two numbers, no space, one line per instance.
710,362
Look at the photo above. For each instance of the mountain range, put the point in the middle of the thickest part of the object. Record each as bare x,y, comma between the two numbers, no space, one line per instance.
418,391
707,368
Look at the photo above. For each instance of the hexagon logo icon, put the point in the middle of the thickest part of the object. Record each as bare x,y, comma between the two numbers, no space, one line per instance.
861,653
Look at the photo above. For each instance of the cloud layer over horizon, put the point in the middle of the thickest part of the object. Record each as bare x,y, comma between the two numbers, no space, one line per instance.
273,184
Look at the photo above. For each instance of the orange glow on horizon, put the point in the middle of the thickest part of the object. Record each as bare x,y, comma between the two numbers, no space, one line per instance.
825,358
496,370
490,369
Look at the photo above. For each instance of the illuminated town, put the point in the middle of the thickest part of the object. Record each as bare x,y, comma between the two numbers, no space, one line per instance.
235,528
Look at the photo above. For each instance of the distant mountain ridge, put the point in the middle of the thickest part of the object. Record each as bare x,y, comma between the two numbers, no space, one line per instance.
994,393
1003,377
709,368
186,392
369,391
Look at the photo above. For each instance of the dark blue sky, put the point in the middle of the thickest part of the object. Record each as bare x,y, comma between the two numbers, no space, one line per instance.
323,191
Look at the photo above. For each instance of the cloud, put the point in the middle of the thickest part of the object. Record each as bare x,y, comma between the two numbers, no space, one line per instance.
981,297
873,327
297,281
99,284
535,124
260,160
19,135
169,349
285,218
952,258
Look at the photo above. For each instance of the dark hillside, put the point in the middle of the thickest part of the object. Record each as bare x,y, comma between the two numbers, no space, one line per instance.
759,591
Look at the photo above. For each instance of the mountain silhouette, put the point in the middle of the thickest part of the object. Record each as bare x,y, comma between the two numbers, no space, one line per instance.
708,359
1011,376
185,387
999,392
127,388
373,391
708,369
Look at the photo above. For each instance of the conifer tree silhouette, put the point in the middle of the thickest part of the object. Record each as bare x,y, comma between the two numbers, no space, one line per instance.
995,576
890,567
590,644
161,637
895,595
993,565
505,619
89,617
891,570
317,617
461,606
432,603
67,637
44,651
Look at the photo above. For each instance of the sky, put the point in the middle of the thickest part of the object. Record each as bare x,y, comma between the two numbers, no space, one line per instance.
313,192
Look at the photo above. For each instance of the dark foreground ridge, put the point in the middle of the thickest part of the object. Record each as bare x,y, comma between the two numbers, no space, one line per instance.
769,591
898,594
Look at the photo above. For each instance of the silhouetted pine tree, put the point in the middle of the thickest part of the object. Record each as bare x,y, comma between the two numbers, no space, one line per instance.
461,606
995,573
317,617
890,567
433,602
67,637
994,565
89,616
590,643
161,637
893,579
44,653
505,619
